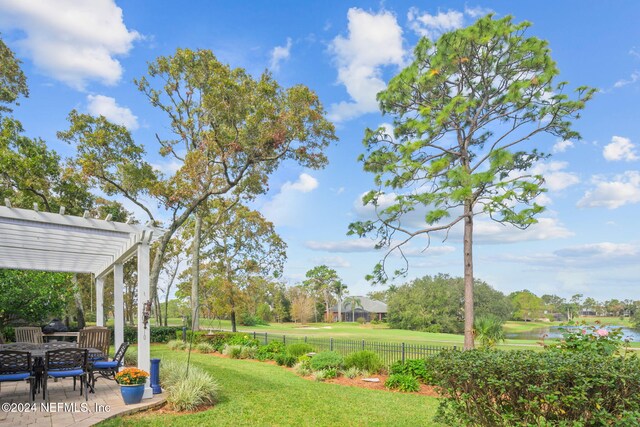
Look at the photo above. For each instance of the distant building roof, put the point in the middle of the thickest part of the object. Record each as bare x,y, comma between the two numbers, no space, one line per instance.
368,304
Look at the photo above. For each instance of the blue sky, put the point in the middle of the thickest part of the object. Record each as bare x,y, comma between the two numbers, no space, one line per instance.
84,55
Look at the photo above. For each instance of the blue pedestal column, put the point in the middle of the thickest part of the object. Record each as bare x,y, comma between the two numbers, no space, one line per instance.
155,376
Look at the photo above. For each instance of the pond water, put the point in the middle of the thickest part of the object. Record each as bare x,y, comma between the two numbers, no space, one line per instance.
555,332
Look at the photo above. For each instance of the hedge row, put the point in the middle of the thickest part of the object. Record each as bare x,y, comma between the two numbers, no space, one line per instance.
521,388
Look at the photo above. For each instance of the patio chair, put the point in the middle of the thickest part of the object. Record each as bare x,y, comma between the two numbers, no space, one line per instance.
64,363
98,338
108,369
16,366
32,334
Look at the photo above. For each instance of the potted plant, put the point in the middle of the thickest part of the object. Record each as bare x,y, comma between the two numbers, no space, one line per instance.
132,381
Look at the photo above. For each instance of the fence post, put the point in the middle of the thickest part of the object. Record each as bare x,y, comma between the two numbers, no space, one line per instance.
362,345
265,338
254,335
284,339
305,338
455,347
330,344
402,352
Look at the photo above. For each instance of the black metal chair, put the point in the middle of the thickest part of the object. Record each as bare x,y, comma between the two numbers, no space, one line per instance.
64,363
16,366
108,369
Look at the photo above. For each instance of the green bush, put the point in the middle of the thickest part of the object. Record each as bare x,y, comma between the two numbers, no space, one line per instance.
303,369
269,351
353,372
158,334
176,345
402,382
325,374
327,360
364,360
220,339
198,337
247,319
233,351
417,368
300,349
491,387
186,393
286,359
205,347
131,356
361,320
589,338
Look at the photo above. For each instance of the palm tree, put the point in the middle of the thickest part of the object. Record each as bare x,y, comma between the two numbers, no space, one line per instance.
355,303
488,330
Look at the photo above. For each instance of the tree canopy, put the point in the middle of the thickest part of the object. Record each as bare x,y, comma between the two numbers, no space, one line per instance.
228,132
460,110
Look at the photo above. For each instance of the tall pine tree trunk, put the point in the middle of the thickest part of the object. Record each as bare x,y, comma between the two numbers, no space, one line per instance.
78,300
468,276
195,273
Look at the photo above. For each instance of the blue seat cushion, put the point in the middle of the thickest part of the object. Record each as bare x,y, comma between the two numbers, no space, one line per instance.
15,377
68,373
105,365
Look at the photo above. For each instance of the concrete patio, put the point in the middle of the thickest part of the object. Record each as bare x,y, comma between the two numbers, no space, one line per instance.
64,406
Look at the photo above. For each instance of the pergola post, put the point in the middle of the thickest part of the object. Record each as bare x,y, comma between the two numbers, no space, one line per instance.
100,301
144,330
118,305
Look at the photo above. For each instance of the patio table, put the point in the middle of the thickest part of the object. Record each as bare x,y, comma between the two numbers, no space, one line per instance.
38,352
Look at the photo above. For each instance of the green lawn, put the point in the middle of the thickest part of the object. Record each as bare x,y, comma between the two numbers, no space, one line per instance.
259,394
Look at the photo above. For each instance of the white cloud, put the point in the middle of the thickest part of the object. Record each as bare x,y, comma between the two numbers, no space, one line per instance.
73,41
554,176
332,262
620,148
279,54
100,105
562,146
432,26
374,41
477,12
601,250
345,246
634,77
623,190
285,207
491,232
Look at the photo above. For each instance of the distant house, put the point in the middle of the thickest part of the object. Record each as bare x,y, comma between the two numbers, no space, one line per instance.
367,308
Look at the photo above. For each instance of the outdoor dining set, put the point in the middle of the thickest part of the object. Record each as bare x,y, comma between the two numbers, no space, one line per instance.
35,361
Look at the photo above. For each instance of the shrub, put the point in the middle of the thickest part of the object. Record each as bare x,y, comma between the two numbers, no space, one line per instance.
176,345
361,320
417,368
233,351
299,349
248,352
491,387
219,339
205,347
488,329
325,374
198,336
303,369
365,361
353,372
269,351
589,338
247,319
402,382
131,356
326,360
186,393
285,359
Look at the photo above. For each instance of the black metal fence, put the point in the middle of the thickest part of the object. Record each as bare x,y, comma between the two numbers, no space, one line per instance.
388,352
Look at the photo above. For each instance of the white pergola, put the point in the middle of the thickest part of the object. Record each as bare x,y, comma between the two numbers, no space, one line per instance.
34,240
